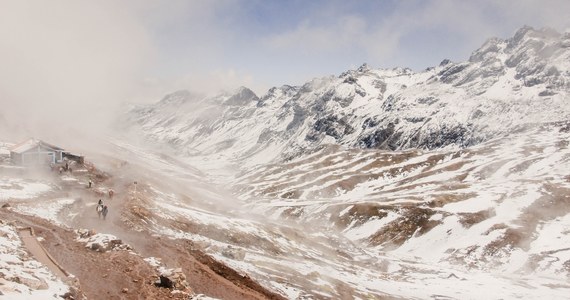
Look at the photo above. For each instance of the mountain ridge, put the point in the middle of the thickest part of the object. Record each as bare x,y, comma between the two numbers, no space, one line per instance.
505,83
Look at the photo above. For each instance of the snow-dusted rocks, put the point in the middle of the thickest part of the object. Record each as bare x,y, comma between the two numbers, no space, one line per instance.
100,242
21,276
171,278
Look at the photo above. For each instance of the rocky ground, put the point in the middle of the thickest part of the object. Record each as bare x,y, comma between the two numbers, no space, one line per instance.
123,272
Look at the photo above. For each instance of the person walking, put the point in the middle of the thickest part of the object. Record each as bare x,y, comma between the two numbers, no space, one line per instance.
105,211
99,208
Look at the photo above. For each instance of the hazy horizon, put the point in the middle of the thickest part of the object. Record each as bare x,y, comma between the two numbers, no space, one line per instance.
73,63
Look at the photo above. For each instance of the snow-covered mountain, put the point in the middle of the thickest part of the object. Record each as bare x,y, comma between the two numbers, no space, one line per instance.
489,221
386,183
505,83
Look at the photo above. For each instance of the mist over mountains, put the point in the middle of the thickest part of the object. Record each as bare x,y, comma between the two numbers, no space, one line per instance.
460,165
505,84
448,183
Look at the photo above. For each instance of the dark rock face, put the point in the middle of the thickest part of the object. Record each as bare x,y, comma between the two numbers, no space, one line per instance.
350,80
427,100
378,137
391,138
444,62
447,135
452,72
333,126
370,122
298,118
389,103
415,119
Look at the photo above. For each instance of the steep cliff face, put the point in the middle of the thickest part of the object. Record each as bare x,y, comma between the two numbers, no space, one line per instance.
505,83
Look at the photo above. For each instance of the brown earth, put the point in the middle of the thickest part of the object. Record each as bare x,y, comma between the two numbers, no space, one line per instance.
123,274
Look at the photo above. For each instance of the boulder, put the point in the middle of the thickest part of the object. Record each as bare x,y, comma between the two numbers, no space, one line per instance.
33,283
174,279
233,253
97,247
85,233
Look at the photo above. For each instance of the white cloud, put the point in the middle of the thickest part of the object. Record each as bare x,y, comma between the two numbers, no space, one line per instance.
206,83
315,38
378,38
61,58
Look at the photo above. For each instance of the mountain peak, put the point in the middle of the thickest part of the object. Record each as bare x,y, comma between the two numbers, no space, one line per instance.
363,68
460,103
178,96
526,33
445,62
242,96
523,31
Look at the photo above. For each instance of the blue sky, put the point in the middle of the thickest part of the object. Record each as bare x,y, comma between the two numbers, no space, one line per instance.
269,43
105,52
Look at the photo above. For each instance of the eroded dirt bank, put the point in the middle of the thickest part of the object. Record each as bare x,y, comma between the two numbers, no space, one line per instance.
125,275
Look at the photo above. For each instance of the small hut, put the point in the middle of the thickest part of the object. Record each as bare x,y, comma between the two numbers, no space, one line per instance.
35,152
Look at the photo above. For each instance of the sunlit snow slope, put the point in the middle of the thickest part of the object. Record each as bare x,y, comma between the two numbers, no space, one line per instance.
408,224
505,83
451,182
502,204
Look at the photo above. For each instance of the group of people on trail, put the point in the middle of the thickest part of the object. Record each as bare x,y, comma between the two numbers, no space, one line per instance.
65,168
111,192
61,168
102,209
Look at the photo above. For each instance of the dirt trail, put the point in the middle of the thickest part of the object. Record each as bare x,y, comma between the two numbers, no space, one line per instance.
204,274
120,274
39,253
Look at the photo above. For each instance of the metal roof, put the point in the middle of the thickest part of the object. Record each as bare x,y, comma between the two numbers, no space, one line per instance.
31,144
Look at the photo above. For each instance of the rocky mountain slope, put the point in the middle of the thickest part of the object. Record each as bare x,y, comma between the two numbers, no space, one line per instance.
502,205
505,83
384,183
488,221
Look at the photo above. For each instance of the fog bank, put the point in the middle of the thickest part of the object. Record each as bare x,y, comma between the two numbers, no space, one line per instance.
66,66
